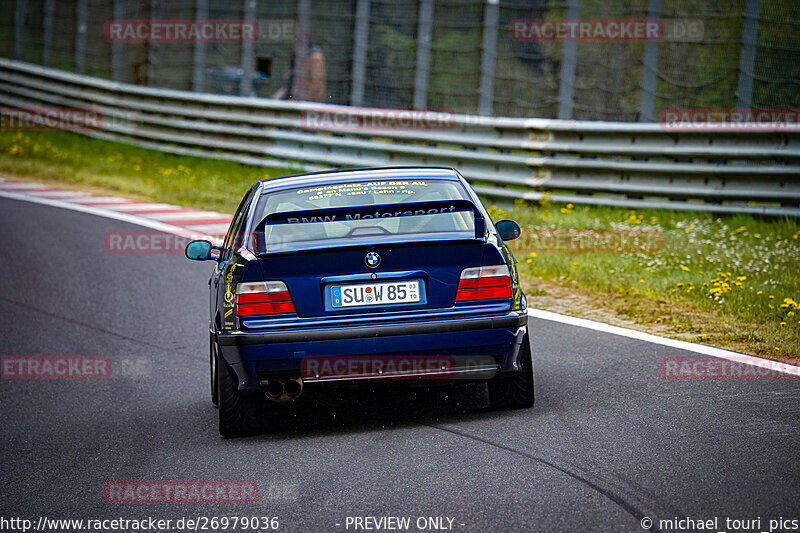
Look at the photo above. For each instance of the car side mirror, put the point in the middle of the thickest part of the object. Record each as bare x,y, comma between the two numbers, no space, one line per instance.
202,251
508,230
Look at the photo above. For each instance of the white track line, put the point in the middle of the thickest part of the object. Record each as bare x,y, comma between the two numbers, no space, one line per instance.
108,200
536,313
186,215
59,194
672,343
141,207
212,228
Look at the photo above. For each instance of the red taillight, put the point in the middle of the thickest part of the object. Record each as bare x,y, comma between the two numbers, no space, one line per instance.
484,283
263,298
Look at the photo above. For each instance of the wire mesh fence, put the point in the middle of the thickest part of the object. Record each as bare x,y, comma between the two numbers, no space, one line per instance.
464,56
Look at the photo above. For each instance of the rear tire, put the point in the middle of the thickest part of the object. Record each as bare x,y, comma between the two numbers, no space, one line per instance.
514,390
240,414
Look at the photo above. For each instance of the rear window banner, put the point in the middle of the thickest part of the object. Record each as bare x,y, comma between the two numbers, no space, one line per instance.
370,212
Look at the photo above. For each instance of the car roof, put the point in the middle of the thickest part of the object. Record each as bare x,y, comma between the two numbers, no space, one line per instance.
359,174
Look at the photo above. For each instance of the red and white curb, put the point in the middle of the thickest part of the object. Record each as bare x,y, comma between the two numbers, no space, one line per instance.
197,224
174,219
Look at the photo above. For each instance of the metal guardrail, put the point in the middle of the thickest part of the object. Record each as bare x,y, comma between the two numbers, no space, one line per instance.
630,165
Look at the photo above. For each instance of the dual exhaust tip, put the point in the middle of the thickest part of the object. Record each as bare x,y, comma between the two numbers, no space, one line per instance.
282,390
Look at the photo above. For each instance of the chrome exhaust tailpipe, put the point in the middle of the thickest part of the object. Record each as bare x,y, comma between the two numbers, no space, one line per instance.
293,388
273,390
282,390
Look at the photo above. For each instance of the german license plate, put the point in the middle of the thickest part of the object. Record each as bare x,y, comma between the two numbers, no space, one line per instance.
389,293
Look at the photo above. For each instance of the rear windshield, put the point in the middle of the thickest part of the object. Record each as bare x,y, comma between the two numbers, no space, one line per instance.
318,231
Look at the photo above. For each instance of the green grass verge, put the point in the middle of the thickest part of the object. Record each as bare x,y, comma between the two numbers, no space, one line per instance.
732,281
729,281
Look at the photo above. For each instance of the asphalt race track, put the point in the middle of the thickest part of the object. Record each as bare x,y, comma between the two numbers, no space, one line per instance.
608,443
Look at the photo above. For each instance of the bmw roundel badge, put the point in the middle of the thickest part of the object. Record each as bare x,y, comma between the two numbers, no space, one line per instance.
372,259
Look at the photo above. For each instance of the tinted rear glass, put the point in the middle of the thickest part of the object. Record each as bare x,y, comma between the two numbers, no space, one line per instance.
392,192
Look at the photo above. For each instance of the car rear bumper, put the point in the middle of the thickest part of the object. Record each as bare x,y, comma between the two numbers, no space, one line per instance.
242,338
473,346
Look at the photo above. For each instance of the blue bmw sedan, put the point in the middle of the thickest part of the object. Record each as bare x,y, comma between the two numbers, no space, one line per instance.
360,275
